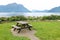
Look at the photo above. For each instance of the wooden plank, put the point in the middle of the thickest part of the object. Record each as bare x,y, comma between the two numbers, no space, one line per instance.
15,27
22,22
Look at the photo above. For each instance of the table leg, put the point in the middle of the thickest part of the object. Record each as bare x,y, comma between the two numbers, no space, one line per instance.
14,29
19,30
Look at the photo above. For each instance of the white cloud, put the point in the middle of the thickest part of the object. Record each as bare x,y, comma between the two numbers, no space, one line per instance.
34,4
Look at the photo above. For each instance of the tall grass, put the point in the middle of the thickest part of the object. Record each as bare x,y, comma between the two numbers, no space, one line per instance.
19,18
5,32
46,30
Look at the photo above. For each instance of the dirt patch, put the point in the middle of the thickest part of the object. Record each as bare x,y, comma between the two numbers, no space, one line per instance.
25,33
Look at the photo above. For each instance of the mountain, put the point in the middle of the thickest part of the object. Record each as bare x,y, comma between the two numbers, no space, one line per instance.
53,10
13,7
56,9
36,11
39,11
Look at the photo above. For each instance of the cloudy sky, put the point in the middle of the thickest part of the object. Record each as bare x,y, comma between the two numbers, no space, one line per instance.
34,4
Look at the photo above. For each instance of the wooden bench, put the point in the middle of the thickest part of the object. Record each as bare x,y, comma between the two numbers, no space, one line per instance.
16,28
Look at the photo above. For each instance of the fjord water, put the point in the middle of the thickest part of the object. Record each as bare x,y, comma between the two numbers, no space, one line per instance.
26,14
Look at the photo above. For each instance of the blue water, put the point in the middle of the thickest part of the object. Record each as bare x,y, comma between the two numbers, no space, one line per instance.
26,14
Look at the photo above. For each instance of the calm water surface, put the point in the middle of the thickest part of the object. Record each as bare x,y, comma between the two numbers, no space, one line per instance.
27,14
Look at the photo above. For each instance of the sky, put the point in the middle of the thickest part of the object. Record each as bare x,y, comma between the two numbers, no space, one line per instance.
34,4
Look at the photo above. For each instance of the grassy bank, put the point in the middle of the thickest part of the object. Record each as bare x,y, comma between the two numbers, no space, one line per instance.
46,30
5,32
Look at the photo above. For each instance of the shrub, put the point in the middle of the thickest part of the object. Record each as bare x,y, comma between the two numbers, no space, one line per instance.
17,18
52,17
3,19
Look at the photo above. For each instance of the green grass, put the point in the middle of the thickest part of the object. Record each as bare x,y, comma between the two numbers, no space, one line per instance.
46,30
5,32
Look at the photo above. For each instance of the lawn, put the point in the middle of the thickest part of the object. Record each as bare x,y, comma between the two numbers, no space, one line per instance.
46,30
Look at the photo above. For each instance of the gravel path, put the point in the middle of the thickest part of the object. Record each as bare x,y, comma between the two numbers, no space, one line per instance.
25,33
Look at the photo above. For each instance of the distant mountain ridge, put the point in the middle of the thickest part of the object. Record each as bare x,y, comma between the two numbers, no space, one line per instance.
39,11
56,9
53,10
13,7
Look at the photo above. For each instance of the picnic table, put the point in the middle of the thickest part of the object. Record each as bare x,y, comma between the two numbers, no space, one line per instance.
21,25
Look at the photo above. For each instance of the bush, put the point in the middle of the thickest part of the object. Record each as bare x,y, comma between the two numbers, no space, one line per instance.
17,18
20,18
11,18
33,18
52,17
3,19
